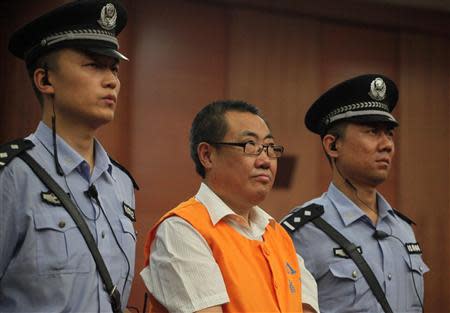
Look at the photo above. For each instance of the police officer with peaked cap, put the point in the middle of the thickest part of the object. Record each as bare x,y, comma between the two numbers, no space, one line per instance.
72,57
355,122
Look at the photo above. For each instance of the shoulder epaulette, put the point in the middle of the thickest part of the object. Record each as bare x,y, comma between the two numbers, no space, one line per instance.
404,217
299,218
10,150
135,185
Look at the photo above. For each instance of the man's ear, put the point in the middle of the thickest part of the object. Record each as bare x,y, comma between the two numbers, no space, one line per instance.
205,155
42,81
329,143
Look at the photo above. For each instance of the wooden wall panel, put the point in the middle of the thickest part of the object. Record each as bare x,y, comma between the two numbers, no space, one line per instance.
19,108
423,188
273,63
179,67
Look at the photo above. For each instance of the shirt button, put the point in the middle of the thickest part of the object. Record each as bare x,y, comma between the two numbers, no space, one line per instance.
62,224
103,234
421,268
354,274
389,276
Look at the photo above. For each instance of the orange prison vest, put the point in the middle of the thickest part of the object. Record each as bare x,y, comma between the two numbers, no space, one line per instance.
259,276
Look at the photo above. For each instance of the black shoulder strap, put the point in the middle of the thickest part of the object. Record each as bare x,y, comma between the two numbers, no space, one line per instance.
404,217
313,214
135,185
84,229
10,150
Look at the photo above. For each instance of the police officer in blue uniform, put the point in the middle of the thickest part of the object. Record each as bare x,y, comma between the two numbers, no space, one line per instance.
356,127
72,56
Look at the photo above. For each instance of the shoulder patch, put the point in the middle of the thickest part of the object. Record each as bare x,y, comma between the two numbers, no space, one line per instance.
404,217
297,219
10,150
135,185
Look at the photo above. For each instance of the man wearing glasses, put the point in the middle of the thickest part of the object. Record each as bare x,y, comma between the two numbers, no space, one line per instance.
218,251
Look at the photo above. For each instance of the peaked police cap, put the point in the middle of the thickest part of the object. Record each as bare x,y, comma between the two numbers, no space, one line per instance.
90,25
363,99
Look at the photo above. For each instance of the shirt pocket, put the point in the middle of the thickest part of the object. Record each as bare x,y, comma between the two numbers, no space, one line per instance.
416,268
60,247
128,243
353,286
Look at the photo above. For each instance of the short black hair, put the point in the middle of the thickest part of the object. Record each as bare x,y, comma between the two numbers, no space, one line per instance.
210,125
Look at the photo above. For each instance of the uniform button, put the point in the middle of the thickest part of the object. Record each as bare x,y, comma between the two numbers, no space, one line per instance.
266,251
275,285
103,234
62,224
354,274
389,276
421,268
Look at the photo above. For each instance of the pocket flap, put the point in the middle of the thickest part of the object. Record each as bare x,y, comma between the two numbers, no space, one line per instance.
127,227
345,269
415,263
58,221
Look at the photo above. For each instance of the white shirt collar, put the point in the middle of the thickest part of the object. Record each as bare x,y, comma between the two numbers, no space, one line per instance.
218,210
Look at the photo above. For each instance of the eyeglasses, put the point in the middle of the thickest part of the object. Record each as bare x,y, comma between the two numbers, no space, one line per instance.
251,148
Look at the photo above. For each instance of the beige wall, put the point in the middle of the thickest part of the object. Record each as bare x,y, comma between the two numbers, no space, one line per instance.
280,57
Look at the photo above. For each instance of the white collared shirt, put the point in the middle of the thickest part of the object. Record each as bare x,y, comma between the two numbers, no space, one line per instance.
183,274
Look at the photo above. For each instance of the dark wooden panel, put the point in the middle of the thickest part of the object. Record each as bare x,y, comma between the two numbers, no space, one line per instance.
423,188
373,14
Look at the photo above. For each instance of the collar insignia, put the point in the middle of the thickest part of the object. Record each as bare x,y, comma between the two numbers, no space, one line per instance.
108,17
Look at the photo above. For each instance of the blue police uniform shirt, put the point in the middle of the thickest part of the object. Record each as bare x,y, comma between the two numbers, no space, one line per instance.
45,264
341,286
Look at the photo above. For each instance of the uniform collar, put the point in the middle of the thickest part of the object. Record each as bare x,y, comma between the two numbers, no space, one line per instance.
69,159
219,210
349,211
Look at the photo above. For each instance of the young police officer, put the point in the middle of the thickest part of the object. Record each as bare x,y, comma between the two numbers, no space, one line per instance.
356,126
45,264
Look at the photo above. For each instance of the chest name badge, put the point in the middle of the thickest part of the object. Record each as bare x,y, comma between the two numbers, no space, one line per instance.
413,248
50,198
129,212
339,252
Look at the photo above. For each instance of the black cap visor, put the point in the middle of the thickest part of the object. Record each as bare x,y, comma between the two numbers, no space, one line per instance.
108,52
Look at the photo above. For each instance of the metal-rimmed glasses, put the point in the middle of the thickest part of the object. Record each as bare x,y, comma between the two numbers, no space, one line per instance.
251,148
